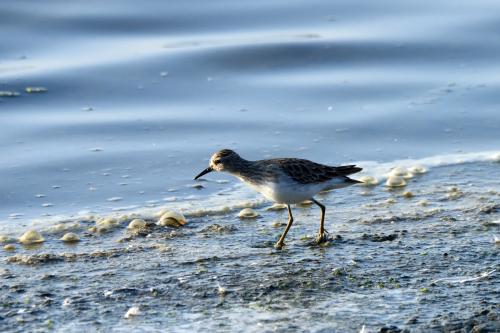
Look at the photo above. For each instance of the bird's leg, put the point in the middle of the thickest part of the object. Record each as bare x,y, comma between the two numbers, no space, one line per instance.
281,242
322,232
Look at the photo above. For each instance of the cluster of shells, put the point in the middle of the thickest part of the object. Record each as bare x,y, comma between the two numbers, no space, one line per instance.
166,218
397,177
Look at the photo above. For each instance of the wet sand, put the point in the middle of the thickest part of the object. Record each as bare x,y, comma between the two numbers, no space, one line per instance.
420,262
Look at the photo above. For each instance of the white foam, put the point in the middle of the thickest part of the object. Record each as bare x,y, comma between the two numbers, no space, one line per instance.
383,170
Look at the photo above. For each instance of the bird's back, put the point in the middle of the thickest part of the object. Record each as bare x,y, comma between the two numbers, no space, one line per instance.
308,172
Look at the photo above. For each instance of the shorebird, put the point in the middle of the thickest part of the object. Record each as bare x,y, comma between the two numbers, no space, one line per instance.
285,180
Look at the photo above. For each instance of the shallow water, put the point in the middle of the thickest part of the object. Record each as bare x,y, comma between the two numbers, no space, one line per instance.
139,96
170,83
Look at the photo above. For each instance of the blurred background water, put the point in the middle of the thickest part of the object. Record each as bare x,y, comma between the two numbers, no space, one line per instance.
139,94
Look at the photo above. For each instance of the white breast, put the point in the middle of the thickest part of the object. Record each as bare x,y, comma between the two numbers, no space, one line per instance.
289,191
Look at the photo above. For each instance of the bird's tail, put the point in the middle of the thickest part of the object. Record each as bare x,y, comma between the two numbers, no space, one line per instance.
353,181
346,170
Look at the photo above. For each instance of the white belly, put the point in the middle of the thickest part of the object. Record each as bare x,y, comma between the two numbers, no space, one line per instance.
290,192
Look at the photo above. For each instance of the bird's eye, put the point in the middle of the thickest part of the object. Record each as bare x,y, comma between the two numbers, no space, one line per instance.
216,161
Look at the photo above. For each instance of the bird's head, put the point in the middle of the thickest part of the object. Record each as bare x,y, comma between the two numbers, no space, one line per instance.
223,160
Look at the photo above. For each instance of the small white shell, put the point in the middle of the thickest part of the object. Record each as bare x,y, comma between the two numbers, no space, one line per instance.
9,247
5,239
417,169
31,237
276,224
247,213
305,203
401,172
108,222
132,312
70,237
276,206
137,224
172,219
423,203
407,194
60,227
390,201
395,181
454,193
368,181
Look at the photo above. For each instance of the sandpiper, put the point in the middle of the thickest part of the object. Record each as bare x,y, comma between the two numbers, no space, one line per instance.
285,180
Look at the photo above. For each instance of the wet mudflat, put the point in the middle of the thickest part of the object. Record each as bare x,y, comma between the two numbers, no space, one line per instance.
422,258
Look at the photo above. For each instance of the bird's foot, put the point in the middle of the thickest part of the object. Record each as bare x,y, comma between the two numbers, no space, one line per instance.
279,245
322,237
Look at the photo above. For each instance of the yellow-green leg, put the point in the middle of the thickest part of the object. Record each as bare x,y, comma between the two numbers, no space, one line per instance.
322,233
281,242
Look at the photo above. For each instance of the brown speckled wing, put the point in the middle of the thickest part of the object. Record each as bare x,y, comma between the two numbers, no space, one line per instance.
308,172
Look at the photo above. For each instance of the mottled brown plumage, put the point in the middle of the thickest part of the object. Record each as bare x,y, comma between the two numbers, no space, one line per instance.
307,172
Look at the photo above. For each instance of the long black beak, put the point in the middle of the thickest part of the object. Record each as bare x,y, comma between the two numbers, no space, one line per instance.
204,172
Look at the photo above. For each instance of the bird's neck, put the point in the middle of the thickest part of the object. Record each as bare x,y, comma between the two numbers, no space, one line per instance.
247,171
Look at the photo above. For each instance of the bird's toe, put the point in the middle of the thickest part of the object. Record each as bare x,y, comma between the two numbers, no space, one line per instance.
321,238
279,245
